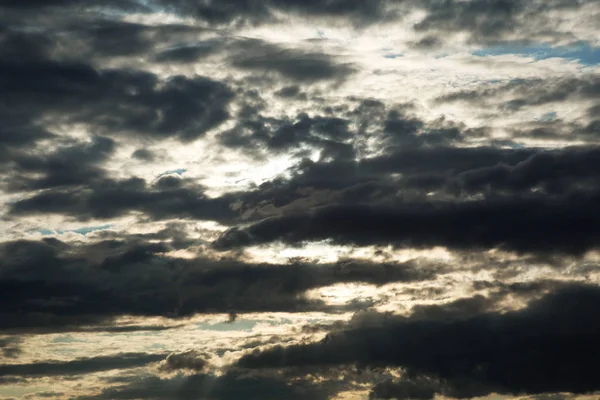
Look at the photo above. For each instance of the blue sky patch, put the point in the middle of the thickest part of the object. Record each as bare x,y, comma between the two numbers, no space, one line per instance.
178,171
393,55
85,230
82,231
548,117
583,52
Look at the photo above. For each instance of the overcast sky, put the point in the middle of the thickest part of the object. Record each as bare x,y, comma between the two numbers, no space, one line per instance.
299,199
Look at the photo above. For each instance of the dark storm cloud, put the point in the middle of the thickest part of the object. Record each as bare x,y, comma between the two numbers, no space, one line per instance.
75,164
43,10
533,223
90,38
230,386
483,19
403,131
143,155
168,197
189,53
293,64
512,353
50,284
80,366
253,12
17,130
261,57
112,101
417,389
340,134
552,172
98,38
43,4
329,134
442,177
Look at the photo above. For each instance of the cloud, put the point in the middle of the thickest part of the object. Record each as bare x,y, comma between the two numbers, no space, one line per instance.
510,353
188,360
58,286
232,385
529,224
66,166
80,366
240,12
9,347
324,174
483,19
113,101
532,92
493,21
292,64
419,389
553,172
329,134
167,197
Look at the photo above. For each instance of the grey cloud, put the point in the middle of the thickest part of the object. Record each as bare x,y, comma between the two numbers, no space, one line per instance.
51,285
532,92
143,155
44,394
504,176
10,346
523,224
294,64
252,12
493,21
290,92
418,389
230,386
511,353
75,164
80,366
483,19
92,38
168,197
188,52
340,135
553,172
330,134
594,111
191,360
114,101
427,42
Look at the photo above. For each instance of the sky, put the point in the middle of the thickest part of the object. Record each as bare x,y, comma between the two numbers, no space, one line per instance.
299,199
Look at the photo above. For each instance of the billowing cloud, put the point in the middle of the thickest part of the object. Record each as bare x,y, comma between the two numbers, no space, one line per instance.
114,101
80,366
511,353
299,199
525,224
56,286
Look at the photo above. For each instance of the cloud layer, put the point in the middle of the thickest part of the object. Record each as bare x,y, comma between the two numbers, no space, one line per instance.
299,199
